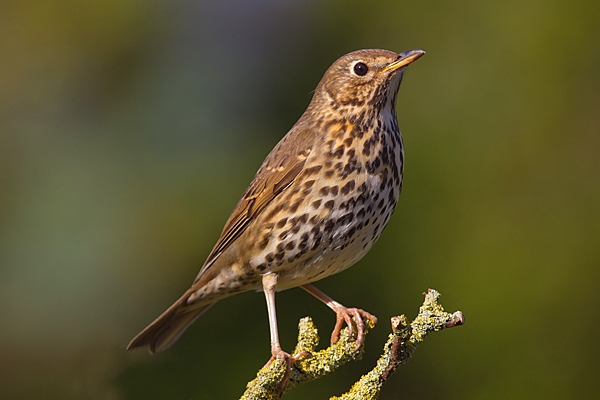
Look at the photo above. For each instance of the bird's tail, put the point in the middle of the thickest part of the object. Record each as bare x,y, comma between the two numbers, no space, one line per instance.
169,326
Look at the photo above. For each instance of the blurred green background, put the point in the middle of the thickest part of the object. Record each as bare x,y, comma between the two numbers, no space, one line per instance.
129,129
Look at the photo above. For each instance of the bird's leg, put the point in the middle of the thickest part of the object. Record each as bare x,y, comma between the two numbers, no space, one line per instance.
343,314
269,282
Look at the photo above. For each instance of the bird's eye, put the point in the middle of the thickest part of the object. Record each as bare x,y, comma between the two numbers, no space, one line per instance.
361,69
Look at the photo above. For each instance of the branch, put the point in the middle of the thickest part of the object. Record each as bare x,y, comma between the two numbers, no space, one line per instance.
401,343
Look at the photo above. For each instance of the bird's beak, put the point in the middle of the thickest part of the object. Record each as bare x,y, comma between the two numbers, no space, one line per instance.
404,59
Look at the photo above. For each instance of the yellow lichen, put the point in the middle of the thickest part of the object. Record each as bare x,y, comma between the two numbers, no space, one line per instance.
314,364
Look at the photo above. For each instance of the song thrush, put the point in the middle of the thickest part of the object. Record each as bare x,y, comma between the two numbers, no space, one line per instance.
316,206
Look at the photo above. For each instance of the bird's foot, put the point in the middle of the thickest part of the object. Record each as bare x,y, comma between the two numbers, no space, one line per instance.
343,314
288,359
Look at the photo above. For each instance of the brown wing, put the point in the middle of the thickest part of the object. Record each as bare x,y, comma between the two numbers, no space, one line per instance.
278,172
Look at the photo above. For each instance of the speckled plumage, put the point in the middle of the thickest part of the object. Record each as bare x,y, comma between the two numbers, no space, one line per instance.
318,203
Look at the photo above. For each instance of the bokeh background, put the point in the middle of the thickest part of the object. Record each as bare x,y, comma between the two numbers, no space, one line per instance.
129,129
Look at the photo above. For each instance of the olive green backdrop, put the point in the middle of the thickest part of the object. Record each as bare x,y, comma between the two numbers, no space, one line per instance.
129,129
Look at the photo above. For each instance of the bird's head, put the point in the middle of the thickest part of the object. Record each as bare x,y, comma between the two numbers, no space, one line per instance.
364,77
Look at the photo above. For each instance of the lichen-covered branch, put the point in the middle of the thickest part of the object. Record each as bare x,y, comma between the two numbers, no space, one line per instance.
314,365
402,342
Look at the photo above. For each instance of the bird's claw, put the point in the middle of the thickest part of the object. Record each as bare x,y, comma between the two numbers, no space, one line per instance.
343,314
288,359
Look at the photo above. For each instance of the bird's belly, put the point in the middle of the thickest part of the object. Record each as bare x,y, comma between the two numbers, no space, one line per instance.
324,240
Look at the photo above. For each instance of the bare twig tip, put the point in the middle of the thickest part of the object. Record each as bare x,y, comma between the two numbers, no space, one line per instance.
458,319
399,323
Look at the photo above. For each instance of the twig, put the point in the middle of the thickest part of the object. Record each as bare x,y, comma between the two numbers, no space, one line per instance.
402,342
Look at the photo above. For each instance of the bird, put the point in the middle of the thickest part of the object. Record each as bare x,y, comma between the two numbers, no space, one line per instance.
316,206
